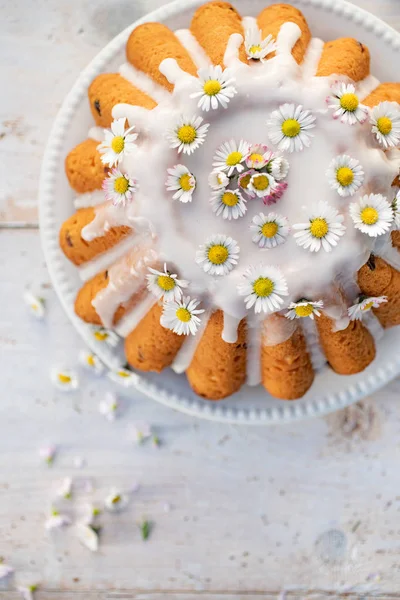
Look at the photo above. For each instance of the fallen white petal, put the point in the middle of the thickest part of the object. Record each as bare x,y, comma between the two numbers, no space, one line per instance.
5,570
87,536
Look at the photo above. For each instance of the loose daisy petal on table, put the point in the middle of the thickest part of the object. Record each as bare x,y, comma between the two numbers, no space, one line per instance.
64,379
5,570
35,304
275,193
47,453
258,156
264,288
323,229
181,316
372,214
214,87
256,47
230,156
119,188
107,336
90,514
303,309
278,167
270,230
217,180
108,407
345,104
87,536
123,376
164,284
187,134
116,500
289,127
56,521
91,362
261,184
28,591
117,143
65,489
345,175
219,255
230,204
385,120
364,305
181,181
139,432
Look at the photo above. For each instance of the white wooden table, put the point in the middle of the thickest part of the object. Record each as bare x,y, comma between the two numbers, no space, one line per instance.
311,510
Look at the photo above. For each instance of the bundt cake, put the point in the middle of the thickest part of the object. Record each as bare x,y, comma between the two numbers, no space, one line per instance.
236,203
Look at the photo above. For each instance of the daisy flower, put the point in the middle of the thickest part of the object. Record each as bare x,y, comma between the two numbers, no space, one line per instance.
279,168
107,336
270,230
56,520
217,180
181,181
87,536
230,204
275,193
139,432
256,47
289,127
47,453
64,379
108,407
346,104
230,156
91,362
261,184
385,119
181,316
396,210
123,376
164,284
263,288
372,214
214,87
304,308
345,175
364,305
258,156
116,500
36,305
324,228
219,255
244,180
27,591
119,188
187,134
117,143
65,489
5,570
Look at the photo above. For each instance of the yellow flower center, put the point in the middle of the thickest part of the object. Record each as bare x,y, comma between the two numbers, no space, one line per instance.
185,182
369,215
218,254
186,134
269,229
255,157
64,378
212,87
118,144
367,307
234,158
304,310
90,360
183,315
263,287
260,182
244,182
291,128
123,374
384,125
230,199
166,282
100,336
319,228
116,499
345,176
121,185
349,102
34,306
254,49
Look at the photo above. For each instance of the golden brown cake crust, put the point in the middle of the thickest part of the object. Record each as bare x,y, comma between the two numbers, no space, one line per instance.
79,251
349,351
382,280
385,92
286,368
110,89
344,56
84,168
218,369
271,19
150,346
212,25
163,43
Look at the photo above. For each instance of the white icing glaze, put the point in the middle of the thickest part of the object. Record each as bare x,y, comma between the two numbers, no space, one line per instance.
371,322
94,198
385,250
230,329
310,333
366,86
253,353
143,82
96,133
312,58
129,321
105,260
186,352
193,47
277,329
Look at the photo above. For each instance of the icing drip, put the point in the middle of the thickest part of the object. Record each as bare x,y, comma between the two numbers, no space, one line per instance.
130,321
193,47
96,133
253,367
366,86
230,330
312,58
107,216
373,325
385,250
310,333
185,355
145,83
89,199
105,259
249,23
338,313
277,329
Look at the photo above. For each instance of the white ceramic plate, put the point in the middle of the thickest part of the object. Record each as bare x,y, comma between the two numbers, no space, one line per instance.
328,19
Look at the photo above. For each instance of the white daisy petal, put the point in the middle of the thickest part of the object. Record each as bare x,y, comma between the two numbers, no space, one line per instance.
217,180
364,305
264,288
372,214
181,181
65,489
139,432
279,168
346,105
270,230
385,120
5,570
323,229
116,500
56,521
64,379
117,143
27,591
119,188
164,284
303,309
230,156
219,255
258,156
214,87
48,453
87,536
396,211
187,134
256,47
230,204
108,407
91,362
35,304
345,175
181,316
289,127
